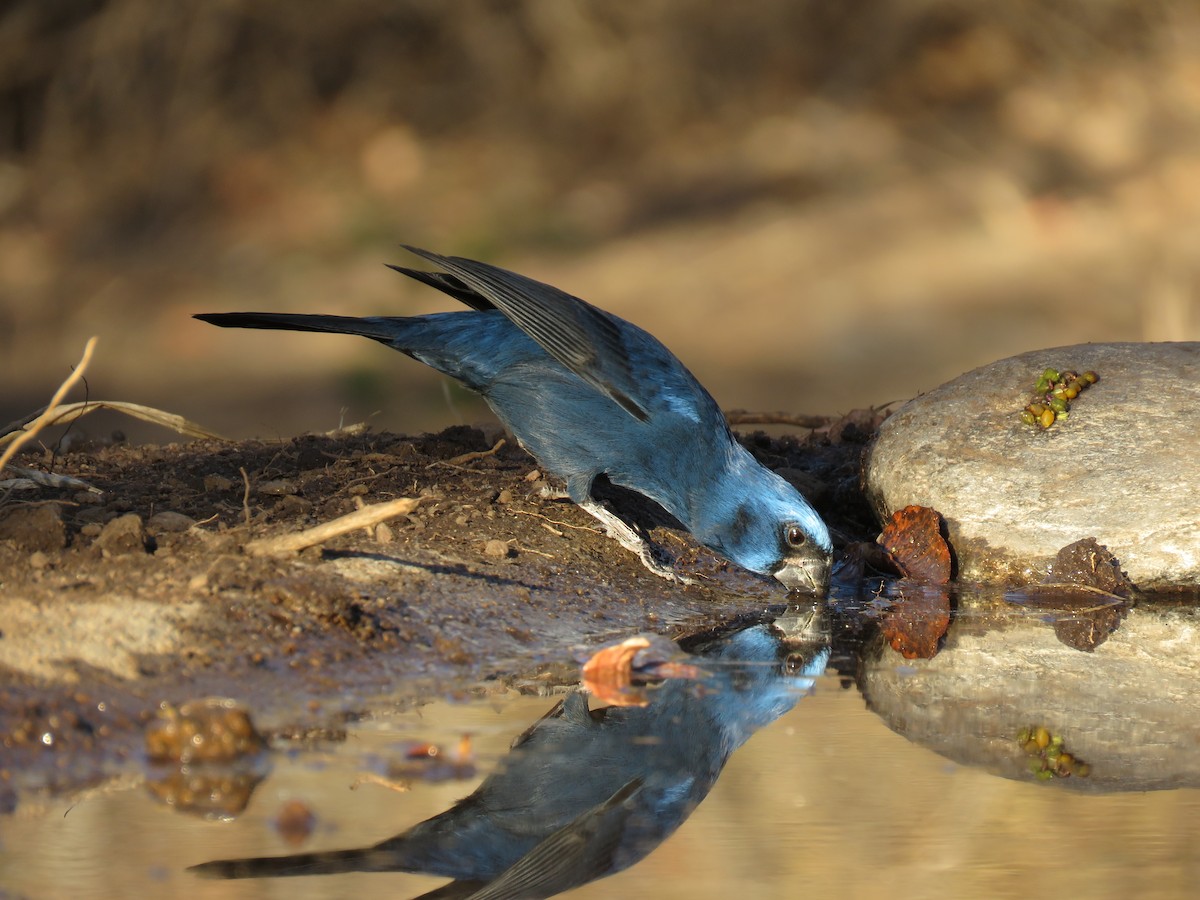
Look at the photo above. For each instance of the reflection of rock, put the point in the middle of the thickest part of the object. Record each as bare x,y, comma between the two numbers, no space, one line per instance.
211,791
1131,709
1013,494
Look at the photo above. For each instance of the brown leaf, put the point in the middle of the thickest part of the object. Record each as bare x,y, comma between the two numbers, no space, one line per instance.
1083,616
1086,592
1087,563
913,537
916,621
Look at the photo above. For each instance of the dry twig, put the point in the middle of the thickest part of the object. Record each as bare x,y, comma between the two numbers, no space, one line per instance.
747,417
465,458
360,518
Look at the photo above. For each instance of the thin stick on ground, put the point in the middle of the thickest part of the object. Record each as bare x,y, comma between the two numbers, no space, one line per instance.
459,461
245,494
70,382
361,518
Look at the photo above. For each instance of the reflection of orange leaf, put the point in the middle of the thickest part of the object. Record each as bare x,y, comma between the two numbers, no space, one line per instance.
608,675
915,622
431,762
913,536
613,673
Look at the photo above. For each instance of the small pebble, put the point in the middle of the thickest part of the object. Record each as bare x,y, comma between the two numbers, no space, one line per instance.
122,535
277,488
169,521
505,497
38,559
497,549
295,822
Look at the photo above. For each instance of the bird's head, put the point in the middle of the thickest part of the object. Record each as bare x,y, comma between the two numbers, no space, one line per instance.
763,524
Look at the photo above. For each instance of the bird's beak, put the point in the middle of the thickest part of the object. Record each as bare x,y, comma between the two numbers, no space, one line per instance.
810,575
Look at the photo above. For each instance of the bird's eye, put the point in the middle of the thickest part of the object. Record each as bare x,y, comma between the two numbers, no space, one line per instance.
795,535
793,664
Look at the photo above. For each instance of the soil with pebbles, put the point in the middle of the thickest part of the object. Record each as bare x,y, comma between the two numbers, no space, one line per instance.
113,603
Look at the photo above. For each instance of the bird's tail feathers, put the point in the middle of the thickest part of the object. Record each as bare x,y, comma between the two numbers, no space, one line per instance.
330,862
379,329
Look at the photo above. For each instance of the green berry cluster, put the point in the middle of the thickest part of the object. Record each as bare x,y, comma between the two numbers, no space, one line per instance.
1048,758
1052,396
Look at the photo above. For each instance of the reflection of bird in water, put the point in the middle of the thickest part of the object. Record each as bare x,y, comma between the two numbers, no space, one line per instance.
586,793
595,397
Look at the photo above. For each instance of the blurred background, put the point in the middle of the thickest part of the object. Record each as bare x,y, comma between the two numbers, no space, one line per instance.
817,205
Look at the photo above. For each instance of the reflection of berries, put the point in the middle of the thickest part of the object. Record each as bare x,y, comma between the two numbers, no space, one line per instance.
1047,757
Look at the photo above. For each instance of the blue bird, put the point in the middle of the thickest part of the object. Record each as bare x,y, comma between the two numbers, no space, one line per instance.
592,396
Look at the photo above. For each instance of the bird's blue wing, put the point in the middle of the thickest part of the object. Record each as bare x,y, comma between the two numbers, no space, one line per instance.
587,340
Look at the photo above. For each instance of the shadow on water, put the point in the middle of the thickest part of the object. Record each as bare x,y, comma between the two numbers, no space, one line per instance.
588,792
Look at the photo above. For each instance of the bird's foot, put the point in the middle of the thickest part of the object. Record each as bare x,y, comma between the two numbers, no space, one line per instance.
549,492
617,529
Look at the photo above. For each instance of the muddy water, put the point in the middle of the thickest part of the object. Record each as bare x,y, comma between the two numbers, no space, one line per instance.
884,776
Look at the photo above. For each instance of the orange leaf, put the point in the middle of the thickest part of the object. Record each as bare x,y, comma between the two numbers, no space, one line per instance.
914,538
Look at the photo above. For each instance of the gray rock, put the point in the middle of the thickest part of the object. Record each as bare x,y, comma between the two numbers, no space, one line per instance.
1124,468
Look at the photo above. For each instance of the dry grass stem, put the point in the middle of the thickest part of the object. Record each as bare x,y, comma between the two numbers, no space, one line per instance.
72,411
47,417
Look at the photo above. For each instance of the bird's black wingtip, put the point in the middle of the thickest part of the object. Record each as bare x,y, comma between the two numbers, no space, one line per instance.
419,274
436,258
